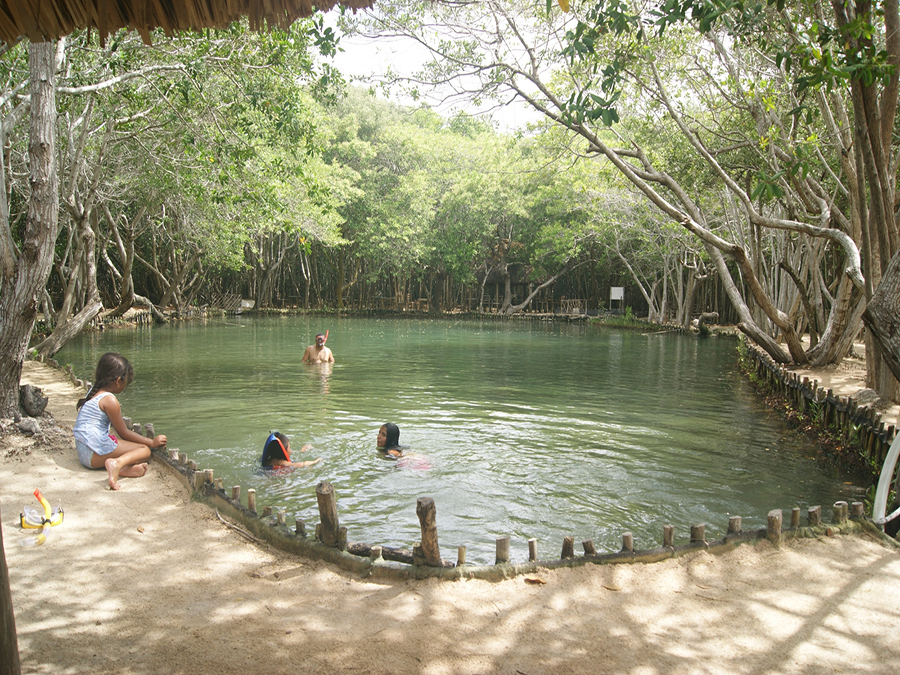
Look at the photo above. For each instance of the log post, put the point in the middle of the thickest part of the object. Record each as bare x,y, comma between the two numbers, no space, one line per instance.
734,525
281,515
328,530
841,511
375,554
668,536
127,421
182,458
148,430
236,493
300,527
220,484
136,428
773,529
427,514
209,475
698,533
795,517
628,543
460,556
173,454
814,516
502,551
532,550
857,510
251,500
568,549
588,545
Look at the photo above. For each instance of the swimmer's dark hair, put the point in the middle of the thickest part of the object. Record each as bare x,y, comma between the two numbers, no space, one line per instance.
270,454
392,436
110,368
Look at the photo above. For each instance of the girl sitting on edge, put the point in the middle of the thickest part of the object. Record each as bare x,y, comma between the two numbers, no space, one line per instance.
277,453
125,454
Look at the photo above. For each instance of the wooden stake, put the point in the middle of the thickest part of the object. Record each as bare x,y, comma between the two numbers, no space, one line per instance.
698,533
148,430
328,532
588,545
532,550
502,549
235,493
734,525
773,530
814,516
795,517
460,556
857,510
840,512
182,458
427,514
628,542
668,535
568,549
300,527
281,516
251,500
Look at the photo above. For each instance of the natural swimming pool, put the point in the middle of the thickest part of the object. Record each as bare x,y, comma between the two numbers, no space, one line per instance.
530,429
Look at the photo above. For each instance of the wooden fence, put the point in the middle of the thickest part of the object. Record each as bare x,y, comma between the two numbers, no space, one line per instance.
859,426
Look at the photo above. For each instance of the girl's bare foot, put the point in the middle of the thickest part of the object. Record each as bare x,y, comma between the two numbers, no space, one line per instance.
135,471
112,468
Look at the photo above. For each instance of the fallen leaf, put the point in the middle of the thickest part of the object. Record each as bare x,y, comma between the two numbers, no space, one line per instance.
612,588
535,580
140,529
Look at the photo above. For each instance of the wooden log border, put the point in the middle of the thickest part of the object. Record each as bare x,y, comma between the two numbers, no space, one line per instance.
368,560
859,427
375,561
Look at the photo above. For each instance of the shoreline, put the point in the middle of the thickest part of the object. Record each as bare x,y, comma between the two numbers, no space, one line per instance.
145,580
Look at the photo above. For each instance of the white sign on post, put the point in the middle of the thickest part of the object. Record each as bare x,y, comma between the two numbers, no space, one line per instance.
617,293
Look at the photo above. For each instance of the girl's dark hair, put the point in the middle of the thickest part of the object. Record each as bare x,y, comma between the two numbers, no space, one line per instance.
274,450
110,368
392,434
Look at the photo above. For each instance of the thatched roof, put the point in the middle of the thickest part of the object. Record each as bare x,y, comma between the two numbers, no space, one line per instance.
40,20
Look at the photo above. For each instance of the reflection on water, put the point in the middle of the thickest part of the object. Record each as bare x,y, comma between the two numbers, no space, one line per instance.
524,429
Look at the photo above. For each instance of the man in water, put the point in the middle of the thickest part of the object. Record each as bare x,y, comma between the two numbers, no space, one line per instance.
318,353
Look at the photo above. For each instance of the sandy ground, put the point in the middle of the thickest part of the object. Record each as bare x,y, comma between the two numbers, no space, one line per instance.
145,581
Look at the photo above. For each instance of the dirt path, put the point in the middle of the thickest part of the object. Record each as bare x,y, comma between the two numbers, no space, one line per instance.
143,581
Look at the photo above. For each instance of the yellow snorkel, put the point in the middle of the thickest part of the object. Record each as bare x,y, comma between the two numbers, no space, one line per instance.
32,518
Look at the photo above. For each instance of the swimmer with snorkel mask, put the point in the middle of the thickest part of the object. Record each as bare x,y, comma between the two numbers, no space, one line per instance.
277,454
318,353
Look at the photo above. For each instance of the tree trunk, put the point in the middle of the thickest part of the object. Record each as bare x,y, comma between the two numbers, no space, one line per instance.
23,285
68,327
68,330
882,317
9,646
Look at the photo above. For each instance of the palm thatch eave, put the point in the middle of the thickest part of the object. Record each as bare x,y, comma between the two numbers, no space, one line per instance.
41,20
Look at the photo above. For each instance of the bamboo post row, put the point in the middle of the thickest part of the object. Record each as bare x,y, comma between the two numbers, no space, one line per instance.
330,533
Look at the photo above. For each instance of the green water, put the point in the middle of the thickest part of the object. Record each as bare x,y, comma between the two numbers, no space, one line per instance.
524,429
